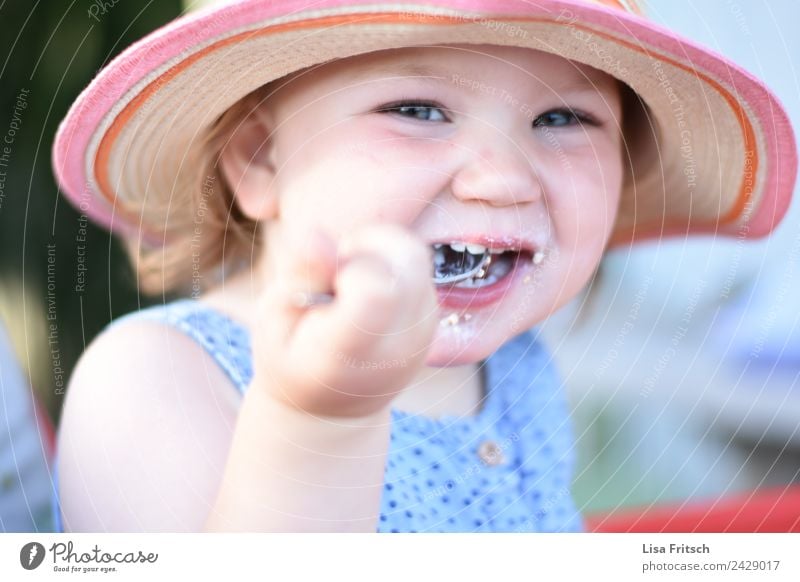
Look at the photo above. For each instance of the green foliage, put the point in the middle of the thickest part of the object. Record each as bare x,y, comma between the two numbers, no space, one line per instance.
51,51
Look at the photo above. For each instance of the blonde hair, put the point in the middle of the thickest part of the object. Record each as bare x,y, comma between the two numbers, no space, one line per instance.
215,239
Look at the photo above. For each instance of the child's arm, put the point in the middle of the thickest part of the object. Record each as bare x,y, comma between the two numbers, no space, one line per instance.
154,438
143,436
289,471
311,440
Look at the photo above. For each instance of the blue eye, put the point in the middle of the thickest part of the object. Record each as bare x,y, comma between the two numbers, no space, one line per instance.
416,110
563,118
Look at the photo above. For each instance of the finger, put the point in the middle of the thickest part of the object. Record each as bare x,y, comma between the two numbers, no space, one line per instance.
384,276
411,263
304,267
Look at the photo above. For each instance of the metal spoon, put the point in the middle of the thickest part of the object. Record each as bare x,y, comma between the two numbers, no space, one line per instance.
487,258
304,299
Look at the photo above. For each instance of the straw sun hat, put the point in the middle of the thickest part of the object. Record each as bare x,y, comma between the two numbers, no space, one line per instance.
714,153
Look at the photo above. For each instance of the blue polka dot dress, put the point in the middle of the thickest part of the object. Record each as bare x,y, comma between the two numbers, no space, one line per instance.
508,469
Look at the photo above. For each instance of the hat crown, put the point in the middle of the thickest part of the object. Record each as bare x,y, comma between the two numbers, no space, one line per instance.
631,6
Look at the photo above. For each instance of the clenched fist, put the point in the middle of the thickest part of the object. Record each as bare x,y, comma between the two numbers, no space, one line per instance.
353,355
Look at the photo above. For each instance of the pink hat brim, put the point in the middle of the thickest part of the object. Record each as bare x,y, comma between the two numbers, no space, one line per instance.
178,40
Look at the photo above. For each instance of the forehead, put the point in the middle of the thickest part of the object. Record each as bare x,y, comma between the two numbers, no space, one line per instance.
482,71
449,63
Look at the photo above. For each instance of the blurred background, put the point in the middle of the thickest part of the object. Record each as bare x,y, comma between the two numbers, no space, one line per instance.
49,51
681,369
683,365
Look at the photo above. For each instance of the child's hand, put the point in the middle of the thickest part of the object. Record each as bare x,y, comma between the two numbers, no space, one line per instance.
352,356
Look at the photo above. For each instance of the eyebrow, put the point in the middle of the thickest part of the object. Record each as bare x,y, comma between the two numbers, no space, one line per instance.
579,84
403,69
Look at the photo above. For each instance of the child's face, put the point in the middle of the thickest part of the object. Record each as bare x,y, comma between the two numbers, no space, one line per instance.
486,150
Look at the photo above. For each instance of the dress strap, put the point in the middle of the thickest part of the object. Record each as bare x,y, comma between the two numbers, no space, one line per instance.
225,340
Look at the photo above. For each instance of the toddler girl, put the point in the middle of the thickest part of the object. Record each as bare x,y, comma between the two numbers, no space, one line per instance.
371,208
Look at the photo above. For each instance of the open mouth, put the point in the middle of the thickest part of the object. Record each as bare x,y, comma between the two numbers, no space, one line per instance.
471,266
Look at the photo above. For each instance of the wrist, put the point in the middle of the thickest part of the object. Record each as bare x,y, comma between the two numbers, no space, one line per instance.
330,406
288,413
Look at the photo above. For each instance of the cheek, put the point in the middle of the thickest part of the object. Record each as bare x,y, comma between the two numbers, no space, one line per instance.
342,179
585,201
583,215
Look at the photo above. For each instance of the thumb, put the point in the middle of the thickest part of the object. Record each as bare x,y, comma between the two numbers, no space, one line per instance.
304,265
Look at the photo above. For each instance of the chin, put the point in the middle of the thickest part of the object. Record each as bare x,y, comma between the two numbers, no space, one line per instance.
463,344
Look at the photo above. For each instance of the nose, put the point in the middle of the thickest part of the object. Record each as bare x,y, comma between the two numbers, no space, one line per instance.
497,172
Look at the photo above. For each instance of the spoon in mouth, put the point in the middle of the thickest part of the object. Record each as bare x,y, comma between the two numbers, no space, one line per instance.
447,279
305,300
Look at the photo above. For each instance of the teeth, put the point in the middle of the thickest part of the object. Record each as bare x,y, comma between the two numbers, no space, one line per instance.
476,249
472,248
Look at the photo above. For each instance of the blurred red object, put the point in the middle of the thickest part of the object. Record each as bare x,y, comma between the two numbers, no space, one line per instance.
46,427
773,510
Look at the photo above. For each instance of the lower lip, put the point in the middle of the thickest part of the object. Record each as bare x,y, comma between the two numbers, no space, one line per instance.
464,298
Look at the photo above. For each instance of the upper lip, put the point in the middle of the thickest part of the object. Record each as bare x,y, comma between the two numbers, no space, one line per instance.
505,242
